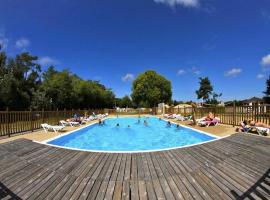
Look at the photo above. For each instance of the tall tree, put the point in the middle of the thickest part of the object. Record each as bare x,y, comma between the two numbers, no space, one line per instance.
126,102
205,92
205,89
23,87
267,91
19,78
150,88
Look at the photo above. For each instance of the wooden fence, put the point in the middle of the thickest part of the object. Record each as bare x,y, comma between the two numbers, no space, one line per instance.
231,115
12,122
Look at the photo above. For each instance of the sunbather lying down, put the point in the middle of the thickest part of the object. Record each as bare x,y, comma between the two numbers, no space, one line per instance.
210,116
251,125
258,124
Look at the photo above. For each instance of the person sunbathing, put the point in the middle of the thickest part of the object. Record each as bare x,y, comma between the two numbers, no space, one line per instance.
250,125
244,126
258,124
210,116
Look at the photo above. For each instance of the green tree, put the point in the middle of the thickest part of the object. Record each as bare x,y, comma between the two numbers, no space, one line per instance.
19,78
214,99
59,90
23,87
150,88
126,102
205,89
205,92
267,91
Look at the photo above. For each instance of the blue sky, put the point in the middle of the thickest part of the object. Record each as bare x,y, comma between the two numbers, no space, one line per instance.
114,41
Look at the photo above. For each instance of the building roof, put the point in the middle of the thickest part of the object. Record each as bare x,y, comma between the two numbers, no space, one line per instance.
253,100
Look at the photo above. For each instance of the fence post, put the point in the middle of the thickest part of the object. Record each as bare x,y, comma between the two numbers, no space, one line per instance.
57,116
234,113
8,122
42,113
31,120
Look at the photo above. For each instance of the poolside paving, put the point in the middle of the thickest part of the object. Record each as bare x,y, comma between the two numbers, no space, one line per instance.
236,167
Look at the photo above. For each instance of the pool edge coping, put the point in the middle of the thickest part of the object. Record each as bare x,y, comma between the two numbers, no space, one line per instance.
140,151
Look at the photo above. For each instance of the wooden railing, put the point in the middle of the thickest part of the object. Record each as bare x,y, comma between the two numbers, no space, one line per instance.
12,122
231,115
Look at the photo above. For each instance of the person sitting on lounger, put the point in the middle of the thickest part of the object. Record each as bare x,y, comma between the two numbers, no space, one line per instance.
244,126
209,117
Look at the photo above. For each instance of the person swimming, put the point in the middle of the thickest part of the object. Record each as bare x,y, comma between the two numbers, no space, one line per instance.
139,121
169,124
99,122
159,119
145,123
117,124
128,126
177,126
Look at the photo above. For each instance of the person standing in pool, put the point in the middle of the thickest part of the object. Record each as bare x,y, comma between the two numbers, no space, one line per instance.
169,124
145,123
177,126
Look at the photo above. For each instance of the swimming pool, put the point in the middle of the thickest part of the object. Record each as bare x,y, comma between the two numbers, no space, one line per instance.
131,136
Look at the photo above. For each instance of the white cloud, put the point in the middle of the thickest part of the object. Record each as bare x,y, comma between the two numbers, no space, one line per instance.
260,76
195,71
265,62
181,72
128,77
22,43
265,14
185,3
46,60
3,40
233,72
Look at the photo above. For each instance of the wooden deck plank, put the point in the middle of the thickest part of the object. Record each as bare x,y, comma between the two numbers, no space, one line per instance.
236,167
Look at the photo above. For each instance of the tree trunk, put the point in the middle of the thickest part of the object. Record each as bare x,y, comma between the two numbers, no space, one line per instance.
194,113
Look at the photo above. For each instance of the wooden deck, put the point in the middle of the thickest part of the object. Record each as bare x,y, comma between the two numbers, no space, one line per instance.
237,167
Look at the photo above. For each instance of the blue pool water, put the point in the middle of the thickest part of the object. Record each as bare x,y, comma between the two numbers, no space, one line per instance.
137,137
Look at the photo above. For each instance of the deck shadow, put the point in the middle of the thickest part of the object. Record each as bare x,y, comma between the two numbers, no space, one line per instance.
5,192
254,188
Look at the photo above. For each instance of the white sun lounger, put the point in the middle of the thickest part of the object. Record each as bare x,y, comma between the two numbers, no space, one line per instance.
214,122
48,127
179,118
64,123
200,120
262,130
